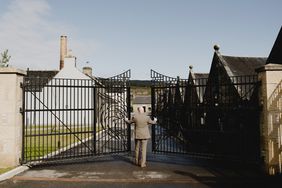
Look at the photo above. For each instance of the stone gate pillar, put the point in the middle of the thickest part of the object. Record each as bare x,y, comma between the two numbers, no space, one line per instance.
10,116
271,117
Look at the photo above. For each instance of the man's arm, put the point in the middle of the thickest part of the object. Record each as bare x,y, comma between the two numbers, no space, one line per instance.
129,121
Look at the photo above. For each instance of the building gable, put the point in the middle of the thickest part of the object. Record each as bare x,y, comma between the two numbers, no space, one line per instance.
275,56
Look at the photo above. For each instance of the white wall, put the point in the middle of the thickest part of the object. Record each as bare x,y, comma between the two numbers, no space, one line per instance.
69,96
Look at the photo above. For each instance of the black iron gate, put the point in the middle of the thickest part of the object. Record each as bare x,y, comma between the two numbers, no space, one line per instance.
71,118
202,117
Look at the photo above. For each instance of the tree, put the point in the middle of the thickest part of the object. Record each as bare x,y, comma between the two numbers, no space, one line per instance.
5,58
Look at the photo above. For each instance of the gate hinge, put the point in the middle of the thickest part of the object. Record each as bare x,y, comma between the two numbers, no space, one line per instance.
21,84
21,110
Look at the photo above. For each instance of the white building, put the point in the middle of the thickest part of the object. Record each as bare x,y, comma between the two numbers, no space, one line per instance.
142,101
66,99
71,97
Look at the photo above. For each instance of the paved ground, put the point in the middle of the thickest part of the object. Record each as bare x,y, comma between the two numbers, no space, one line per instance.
162,171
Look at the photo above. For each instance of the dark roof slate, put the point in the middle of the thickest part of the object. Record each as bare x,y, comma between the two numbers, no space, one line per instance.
36,79
199,80
41,74
275,55
200,75
238,66
235,67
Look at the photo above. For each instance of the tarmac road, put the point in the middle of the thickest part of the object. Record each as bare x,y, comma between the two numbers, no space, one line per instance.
161,171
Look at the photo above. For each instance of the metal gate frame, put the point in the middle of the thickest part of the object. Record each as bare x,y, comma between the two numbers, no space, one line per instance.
214,120
75,118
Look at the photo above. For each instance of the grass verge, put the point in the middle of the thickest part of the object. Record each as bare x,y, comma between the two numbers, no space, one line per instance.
3,170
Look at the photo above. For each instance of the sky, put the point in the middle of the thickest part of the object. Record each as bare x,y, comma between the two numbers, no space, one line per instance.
116,35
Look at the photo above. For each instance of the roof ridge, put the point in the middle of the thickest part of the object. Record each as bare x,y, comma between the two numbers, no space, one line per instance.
201,73
243,56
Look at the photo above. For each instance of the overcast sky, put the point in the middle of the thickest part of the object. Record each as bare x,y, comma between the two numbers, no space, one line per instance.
116,35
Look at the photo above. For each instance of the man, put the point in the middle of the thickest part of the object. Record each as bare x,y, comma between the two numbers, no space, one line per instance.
142,134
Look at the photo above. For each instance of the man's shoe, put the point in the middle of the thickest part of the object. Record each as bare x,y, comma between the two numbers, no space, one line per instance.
137,163
143,166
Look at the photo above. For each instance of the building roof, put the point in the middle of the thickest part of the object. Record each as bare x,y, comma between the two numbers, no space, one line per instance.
142,100
239,69
37,79
238,66
41,73
275,55
199,80
200,75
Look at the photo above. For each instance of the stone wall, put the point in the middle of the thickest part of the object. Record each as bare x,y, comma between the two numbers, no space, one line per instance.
10,116
271,117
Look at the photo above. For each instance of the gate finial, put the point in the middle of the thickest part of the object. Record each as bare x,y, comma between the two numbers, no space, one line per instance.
216,47
190,68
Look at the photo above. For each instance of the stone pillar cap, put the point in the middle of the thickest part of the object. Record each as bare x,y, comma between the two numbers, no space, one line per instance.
12,70
270,67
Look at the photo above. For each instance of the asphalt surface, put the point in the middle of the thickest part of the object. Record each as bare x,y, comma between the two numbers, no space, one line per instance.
118,170
161,171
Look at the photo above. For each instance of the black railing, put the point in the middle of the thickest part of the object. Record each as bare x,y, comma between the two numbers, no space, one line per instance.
71,118
112,107
206,118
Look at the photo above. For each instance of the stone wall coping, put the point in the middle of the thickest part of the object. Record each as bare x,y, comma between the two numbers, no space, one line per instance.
269,67
12,70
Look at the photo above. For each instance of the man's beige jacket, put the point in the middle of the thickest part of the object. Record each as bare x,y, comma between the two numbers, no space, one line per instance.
142,122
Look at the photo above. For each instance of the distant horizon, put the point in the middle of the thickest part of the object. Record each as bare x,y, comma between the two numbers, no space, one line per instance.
113,36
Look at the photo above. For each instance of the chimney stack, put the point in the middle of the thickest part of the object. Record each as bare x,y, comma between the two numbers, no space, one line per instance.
87,71
63,50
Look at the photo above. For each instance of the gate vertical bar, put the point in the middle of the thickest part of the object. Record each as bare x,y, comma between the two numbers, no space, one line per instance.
94,104
153,115
129,117
23,121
